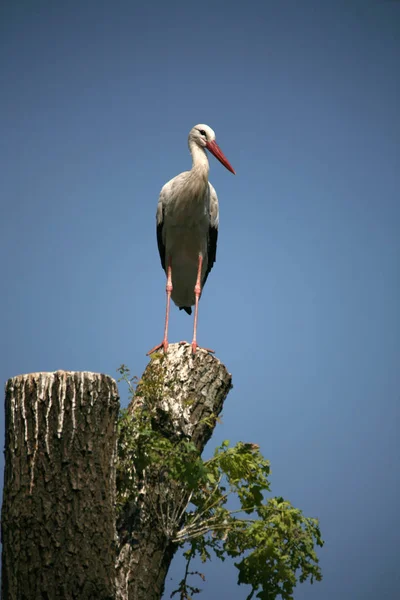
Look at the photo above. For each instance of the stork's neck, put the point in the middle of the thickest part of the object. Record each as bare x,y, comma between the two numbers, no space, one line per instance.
200,165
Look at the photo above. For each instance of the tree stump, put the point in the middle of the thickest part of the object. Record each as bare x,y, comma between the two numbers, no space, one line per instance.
189,392
58,521
58,516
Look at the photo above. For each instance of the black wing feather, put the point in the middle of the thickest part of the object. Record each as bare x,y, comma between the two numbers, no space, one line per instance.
212,250
160,243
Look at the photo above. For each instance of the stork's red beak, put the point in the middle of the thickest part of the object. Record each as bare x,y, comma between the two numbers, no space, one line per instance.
216,150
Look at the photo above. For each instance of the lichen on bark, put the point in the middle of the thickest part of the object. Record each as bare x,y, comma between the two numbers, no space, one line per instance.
176,405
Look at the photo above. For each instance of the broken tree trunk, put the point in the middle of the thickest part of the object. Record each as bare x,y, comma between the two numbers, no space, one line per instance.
58,521
58,514
188,394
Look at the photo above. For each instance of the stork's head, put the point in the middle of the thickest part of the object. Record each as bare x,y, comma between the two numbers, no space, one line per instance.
204,136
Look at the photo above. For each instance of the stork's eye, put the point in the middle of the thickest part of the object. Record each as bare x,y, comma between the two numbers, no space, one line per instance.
203,132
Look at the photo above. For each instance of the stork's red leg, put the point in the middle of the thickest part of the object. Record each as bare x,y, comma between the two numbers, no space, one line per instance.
168,289
197,292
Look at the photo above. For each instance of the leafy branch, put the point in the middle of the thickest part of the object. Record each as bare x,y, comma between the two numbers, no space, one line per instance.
221,505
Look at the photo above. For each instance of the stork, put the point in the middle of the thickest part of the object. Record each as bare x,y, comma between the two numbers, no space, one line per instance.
187,229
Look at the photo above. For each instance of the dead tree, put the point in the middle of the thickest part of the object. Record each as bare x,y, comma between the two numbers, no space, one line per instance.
188,392
59,531
58,524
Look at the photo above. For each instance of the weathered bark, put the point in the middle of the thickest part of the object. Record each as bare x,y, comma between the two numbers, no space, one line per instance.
189,392
58,521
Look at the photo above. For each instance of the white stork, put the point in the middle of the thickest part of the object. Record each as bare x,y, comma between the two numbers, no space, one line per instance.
187,228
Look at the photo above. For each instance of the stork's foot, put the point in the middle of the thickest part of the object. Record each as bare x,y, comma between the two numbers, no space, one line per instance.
163,345
195,346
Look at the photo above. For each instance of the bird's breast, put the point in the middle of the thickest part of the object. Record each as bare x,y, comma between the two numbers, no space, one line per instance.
186,224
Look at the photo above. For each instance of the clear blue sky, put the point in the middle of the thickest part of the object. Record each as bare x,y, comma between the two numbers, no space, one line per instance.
96,101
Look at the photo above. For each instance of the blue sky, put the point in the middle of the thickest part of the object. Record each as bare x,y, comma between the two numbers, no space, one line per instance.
96,101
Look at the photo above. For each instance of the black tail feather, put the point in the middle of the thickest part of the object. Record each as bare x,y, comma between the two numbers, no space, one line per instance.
186,309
